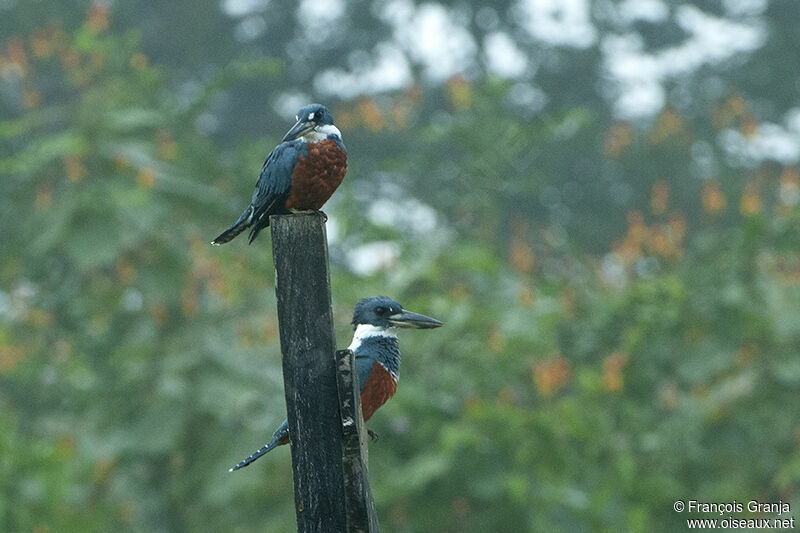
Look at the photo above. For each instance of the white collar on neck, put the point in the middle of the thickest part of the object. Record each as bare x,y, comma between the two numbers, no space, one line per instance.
368,330
321,132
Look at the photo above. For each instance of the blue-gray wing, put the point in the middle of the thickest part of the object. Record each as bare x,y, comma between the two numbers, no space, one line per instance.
364,368
275,183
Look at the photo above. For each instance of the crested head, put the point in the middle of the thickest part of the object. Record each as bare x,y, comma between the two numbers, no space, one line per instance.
316,113
314,123
375,311
375,321
383,312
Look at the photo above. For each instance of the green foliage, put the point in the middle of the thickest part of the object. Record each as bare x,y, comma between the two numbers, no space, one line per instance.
620,332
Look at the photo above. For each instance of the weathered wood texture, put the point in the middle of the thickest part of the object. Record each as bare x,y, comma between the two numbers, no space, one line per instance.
326,496
361,514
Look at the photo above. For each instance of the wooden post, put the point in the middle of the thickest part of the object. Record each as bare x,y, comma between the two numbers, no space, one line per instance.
322,494
361,515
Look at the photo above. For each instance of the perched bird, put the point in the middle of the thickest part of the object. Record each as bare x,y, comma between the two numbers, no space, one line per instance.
300,174
377,354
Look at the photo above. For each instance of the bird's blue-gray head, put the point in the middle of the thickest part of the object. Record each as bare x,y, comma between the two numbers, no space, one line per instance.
383,312
312,119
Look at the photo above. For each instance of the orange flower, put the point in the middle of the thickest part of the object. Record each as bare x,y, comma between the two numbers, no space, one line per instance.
495,339
659,197
139,61
669,124
31,98
9,357
525,294
551,375
41,44
97,17
618,138
16,52
126,272
750,203
371,115
612,371
713,198
74,169
522,256
189,301
789,192
146,177
677,224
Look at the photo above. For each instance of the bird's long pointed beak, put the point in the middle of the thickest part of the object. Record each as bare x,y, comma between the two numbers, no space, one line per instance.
407,319
298,130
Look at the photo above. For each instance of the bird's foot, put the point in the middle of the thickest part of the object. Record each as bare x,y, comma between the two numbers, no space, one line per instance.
372,434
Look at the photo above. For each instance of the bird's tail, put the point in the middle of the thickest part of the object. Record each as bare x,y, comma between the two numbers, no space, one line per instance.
236,228
281,436
254,231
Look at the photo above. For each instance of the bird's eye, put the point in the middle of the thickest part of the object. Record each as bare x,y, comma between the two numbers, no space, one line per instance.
318,115
380,310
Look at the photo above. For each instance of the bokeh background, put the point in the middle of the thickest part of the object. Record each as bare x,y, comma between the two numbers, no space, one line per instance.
599,198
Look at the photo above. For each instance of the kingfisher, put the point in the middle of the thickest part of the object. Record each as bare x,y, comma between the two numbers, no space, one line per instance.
300,174
377,354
